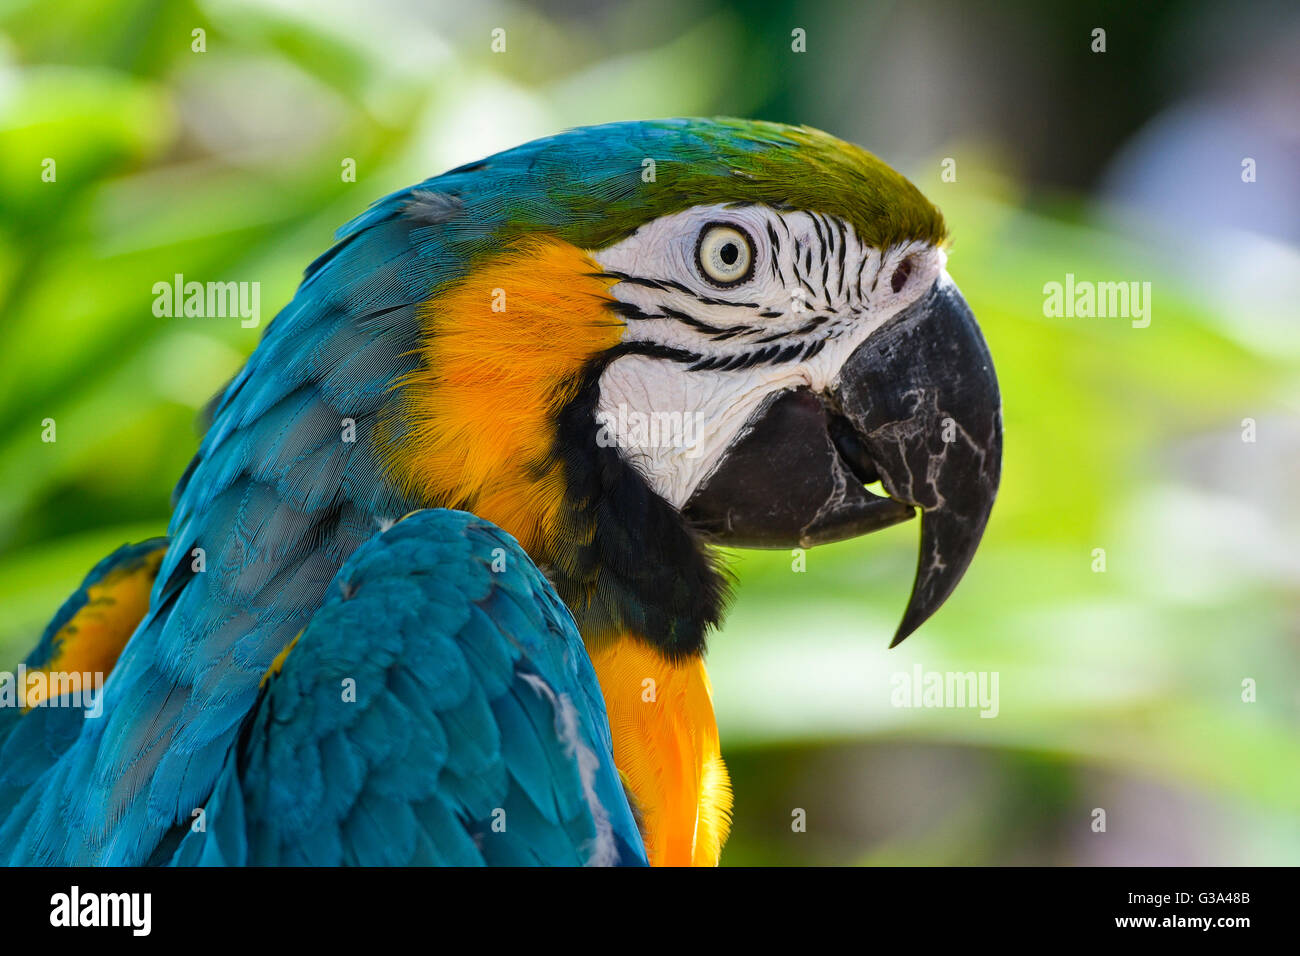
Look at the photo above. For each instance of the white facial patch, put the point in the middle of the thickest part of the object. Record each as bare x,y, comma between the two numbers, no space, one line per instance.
713,352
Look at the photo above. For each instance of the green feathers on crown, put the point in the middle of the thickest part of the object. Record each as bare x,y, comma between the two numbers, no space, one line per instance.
600,176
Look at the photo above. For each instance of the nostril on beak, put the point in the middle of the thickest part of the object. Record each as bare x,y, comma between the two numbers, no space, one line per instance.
901,274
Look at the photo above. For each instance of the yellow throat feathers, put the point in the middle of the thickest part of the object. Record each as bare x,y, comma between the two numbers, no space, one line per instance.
666,749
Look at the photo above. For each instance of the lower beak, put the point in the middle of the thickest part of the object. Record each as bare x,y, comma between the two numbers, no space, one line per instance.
916,406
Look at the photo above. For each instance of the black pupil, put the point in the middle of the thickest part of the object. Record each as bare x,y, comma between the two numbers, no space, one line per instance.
729,254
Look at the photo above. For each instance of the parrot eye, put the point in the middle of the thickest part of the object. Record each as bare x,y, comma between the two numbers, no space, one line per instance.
725,254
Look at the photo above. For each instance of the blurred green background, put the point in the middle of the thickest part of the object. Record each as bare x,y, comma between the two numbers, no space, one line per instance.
1120,690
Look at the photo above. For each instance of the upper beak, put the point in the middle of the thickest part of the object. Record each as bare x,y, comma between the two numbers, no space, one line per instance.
915,406
923,399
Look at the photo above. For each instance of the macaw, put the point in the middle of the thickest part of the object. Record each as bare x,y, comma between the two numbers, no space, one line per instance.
437,584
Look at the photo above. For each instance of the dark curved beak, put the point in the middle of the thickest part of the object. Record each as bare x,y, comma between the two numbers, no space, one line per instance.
916,407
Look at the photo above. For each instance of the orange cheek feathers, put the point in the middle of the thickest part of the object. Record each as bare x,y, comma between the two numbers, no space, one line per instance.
503,351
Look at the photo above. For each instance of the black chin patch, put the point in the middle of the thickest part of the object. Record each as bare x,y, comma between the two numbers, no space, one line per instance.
631,564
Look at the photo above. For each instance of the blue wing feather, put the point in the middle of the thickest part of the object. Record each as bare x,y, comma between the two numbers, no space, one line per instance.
500,722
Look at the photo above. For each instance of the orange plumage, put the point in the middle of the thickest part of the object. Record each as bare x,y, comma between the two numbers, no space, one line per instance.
92,640
666,749
480,410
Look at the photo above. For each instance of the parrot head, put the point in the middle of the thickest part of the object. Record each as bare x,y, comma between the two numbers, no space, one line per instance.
659,337
669,335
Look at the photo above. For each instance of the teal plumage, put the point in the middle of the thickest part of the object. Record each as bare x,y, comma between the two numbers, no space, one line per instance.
274,504
478,734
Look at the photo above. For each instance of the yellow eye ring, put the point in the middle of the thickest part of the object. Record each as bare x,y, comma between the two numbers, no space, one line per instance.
724,254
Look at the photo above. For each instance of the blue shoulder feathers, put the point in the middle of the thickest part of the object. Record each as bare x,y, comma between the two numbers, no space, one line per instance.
439,709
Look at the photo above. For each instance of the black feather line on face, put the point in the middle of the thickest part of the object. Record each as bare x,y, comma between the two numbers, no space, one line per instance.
667,285
770,355
714,331
844,245
633,565
655,350
795,264
816,322
629,311
775,258
804,282
817,228
827,250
